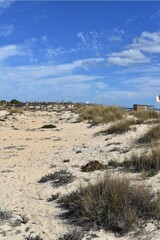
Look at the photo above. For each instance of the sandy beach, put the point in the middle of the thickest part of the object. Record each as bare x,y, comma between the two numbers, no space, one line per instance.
29,152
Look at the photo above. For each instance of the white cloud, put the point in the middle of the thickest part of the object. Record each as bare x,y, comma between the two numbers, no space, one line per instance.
6,29
138,50
127,57
147,42
10,51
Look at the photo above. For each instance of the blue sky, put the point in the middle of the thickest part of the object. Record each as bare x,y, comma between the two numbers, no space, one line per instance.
96,51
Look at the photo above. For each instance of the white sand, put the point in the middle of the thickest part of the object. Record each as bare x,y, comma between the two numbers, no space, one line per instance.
29,152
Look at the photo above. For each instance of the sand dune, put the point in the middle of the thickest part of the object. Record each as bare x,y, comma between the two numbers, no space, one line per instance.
29,152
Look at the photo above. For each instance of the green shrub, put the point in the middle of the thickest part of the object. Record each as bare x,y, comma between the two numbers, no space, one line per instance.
15,101
112,204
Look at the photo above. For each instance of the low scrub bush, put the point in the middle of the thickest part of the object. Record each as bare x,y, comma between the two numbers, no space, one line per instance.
58,178
153,134
100,114
48,126
92,166
119,127
112,204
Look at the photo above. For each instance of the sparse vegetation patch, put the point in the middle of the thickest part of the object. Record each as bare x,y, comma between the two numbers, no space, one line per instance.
112,204
58,178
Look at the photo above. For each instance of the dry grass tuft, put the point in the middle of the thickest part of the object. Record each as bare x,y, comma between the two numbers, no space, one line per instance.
112,204
15,110
92,166
145,115
153,134
149,163
97,114
119,127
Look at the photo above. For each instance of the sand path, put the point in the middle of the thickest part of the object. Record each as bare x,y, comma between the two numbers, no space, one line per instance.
26,155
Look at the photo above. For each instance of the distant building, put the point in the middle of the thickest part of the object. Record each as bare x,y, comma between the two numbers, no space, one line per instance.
141,107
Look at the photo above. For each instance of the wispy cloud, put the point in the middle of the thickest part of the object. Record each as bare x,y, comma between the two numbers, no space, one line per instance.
91,40
155,15
4,4
6,29
37,72
54,52
117,35
52,79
